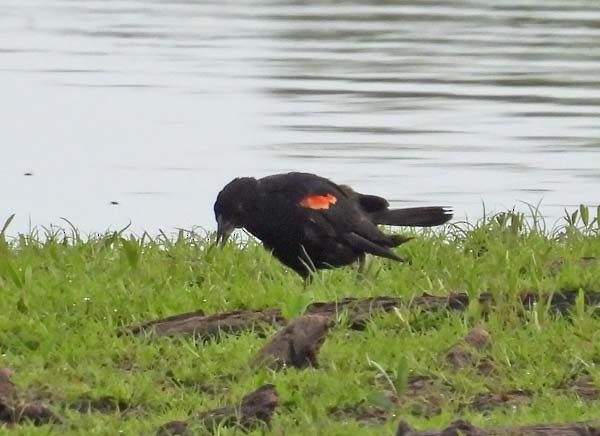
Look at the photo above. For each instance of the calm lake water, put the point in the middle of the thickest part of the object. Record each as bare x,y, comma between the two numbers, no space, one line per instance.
156,104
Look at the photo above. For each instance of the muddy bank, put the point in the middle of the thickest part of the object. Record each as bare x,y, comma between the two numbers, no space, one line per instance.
358,311
464,428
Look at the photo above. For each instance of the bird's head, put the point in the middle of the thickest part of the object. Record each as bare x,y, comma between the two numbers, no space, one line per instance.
233,205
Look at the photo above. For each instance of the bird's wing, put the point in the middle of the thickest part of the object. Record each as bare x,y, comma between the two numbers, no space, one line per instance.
363,244
368,203
340,216
322,206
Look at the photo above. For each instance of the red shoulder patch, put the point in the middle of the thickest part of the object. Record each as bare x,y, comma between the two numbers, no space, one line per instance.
318,201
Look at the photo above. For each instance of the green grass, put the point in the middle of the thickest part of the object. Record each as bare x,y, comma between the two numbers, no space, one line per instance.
63,295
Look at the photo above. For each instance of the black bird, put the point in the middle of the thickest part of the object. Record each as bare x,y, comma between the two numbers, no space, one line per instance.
308,222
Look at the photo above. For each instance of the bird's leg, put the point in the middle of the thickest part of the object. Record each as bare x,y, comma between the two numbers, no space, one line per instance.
309,266
307,280
363,267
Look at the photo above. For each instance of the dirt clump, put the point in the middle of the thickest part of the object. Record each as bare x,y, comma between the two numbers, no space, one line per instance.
297,344
15,407
255,410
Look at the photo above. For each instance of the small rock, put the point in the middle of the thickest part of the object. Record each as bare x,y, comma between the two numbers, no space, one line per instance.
489,401
5,374
459,356
174,428
478,338
103,404
486,367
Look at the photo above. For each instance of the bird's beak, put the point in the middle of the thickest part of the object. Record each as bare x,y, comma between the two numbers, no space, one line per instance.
224,229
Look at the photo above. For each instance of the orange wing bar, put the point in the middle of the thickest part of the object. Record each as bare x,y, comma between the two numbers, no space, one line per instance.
318,201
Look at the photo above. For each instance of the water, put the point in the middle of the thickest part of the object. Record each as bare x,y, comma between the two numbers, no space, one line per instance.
155,105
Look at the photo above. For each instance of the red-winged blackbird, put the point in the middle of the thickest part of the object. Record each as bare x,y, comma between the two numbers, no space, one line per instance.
308,222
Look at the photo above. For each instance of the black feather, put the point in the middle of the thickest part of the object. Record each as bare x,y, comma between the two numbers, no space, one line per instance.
413,216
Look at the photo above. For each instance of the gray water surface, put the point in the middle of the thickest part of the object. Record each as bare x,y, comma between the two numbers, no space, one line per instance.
155,105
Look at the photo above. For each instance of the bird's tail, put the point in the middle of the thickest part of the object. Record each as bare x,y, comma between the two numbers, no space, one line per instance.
413,216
